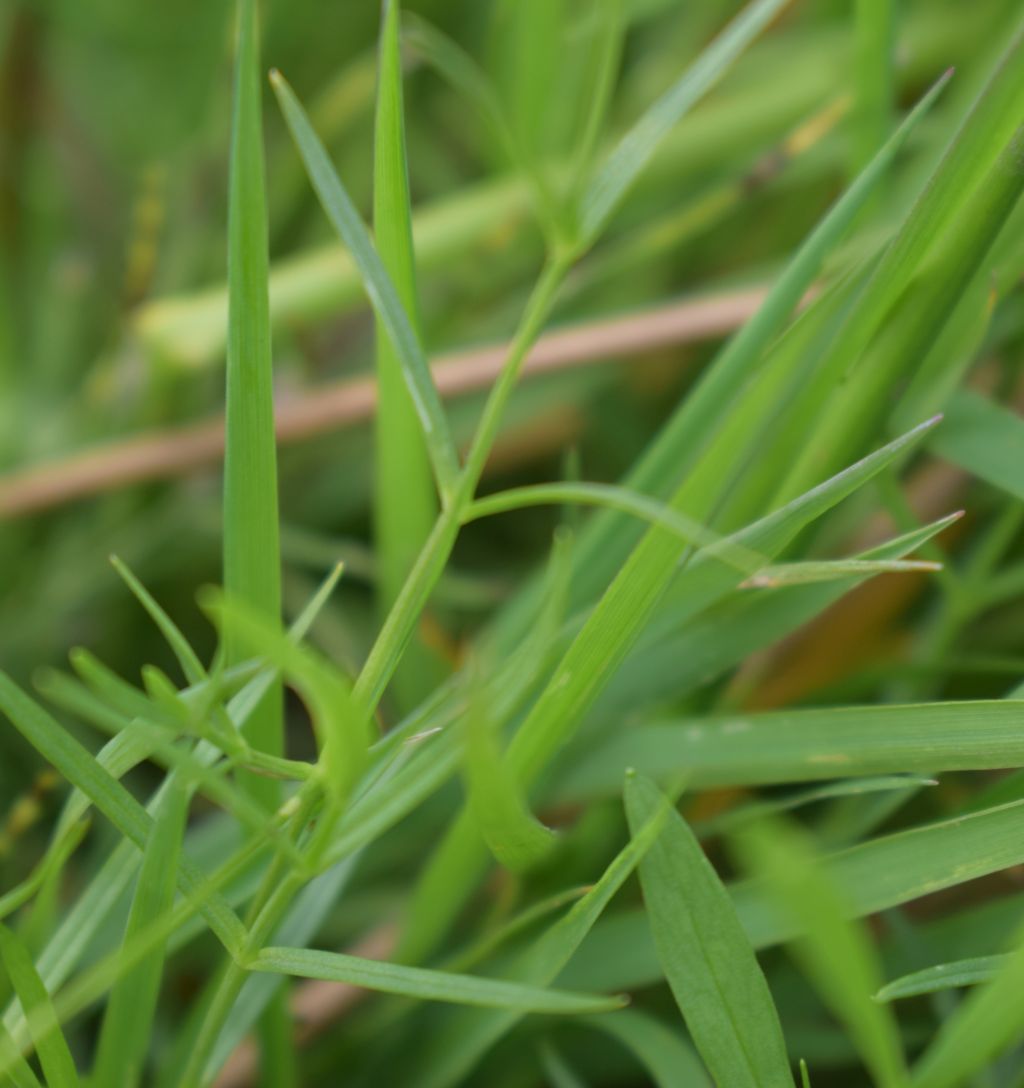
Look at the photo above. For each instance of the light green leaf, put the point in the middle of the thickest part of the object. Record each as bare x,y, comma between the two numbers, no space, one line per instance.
469,1034
707,958
944,976
252,551
405,504
426,985
627,162
516,838
71,760
48,1039
836,955
378,284
984,1024
804,745
128,1019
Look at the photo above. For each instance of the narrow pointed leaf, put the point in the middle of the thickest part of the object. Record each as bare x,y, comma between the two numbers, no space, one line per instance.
426,985
707,958
944,976
378,284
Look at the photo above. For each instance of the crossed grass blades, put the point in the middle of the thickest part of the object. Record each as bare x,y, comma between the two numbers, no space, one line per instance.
594,688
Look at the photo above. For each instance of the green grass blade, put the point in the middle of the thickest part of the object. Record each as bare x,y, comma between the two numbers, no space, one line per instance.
50,1044
378,284
611,497
830,570
616,622
252,556
405,504
516,838
984,438
130,1009
874,91
694,423
18,1071
708,962
805,745
666,1056
72,761
836,955
459,1045
944,976
627,162
606,637
190,664
940,248
426,985
986,1023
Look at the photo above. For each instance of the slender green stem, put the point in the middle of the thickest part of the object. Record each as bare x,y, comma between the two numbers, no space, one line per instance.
401,620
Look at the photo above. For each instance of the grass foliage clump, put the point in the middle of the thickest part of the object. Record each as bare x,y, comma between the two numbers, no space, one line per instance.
477,767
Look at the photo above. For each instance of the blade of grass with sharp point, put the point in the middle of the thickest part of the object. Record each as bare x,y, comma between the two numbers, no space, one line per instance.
835,954
252,556
425,984
804,745
190,664
49,1042
516,838
871,876
458,1045
984,438
378,285
127,1020
609,185
936,254
708,962
404,504
605,542
988,1021
663,1052
874,97
72,761
600,647
731,819
944,976
672,658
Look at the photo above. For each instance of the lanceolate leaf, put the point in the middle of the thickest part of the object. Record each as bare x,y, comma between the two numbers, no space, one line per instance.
707,958
424,984
378,284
